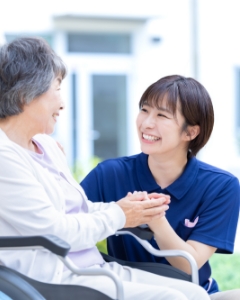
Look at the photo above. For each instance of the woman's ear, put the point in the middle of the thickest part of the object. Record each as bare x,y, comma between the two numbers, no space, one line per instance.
192,132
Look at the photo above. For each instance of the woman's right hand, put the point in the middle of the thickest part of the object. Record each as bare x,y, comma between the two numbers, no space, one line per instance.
141,208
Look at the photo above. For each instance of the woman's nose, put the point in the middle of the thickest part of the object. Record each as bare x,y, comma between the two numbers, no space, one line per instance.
62,106
149,122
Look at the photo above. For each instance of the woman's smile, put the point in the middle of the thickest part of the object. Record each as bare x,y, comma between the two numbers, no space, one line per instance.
150,138
55,115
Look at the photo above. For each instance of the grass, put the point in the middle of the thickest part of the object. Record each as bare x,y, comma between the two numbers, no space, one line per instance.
225,270
102,246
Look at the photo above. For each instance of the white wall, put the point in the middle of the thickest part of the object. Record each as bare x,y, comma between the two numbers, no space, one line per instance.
219,49
153,61
218,54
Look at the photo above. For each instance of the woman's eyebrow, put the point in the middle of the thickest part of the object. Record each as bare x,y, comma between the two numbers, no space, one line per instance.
165,109
161,108
59,80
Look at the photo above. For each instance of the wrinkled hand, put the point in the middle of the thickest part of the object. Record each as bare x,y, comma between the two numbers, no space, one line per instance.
141,208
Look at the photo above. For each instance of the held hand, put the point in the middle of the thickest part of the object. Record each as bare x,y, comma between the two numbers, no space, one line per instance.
139,212
156,196
156,223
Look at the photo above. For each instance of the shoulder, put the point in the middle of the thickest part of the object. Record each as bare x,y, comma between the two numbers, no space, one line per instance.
204,179
14,159
216,179
5,142
205,167
214,172
50,146
46,141
11,151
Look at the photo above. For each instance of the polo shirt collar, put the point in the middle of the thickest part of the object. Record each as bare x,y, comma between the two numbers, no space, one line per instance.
177,189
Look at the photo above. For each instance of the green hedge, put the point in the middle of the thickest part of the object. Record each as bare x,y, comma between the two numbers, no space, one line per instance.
226,270
102,246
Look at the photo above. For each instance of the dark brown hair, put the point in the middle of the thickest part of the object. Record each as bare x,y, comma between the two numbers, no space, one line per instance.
195,105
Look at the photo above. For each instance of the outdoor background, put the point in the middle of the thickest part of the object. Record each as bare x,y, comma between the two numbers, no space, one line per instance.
115,49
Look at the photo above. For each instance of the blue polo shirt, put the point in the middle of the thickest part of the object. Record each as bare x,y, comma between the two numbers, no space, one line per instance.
204,195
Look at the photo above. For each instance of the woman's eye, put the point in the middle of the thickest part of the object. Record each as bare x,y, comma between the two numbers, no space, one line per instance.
143,109
164,116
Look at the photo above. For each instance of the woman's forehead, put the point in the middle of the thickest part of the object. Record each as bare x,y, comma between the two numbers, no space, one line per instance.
165,104
162,101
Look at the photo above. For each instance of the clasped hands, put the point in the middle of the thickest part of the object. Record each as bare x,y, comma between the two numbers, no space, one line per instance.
142,208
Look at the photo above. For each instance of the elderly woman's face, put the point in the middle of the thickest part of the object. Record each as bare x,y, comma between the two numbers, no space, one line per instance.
44,110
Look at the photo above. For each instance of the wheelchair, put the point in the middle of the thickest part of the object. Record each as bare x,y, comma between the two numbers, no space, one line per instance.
20,287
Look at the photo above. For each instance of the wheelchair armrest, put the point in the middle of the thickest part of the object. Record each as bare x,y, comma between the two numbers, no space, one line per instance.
61,249
143,232
50,242
164,253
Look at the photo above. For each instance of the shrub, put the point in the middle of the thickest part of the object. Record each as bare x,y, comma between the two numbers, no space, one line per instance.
81,169
225,270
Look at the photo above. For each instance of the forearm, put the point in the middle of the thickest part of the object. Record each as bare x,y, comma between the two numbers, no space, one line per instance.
97,206
167,239
96,226
80,230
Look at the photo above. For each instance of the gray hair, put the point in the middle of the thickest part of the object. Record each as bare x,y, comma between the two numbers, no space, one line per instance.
27,68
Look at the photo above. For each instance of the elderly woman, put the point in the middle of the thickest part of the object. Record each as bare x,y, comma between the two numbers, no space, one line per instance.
39,196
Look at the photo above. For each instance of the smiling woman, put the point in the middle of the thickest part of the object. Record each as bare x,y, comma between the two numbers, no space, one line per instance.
175,121
31,75
185,101
44,110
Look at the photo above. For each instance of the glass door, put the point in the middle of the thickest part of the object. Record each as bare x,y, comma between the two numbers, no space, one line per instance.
109,115
96,96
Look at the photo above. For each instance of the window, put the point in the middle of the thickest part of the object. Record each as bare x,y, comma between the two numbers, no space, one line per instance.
47,37
109,115
99,43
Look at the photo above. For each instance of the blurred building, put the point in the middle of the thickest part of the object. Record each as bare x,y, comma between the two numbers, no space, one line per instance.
113,57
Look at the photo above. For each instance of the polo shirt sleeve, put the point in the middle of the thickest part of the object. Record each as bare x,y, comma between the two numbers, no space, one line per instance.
217,215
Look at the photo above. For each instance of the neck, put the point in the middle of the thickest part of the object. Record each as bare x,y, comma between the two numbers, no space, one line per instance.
19,131
166,171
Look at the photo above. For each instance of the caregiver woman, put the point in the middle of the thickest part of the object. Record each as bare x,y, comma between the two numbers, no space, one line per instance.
175,121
